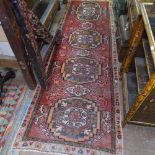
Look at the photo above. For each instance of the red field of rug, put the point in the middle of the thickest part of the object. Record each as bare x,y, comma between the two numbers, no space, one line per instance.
79,113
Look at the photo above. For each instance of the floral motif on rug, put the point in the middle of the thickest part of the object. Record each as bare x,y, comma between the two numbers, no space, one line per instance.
79,113
85,39
76,119
88,11
81,70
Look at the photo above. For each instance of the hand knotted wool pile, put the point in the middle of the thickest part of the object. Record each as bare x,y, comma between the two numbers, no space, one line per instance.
79,113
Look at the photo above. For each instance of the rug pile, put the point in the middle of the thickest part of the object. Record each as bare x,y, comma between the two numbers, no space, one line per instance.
79,113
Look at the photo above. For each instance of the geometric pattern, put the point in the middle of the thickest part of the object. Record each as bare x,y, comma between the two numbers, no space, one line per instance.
85,39
81,70
74,119
79,112
87,25
82,53
78,90
88,11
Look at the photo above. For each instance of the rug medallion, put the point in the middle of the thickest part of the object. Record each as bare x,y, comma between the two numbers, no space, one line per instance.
88,11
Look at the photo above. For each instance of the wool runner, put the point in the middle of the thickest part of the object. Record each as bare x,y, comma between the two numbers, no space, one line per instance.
79,113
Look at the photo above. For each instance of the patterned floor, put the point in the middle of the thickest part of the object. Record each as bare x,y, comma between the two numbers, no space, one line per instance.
13,93
79,113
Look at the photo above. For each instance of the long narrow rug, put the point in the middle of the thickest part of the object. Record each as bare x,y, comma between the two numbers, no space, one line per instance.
79,113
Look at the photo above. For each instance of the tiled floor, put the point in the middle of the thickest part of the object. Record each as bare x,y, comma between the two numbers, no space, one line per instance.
139,140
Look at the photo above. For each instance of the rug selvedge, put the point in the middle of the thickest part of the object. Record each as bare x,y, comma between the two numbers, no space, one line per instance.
61,142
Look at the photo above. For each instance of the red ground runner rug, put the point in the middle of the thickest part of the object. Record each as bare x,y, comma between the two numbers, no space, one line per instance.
79,113
11,101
